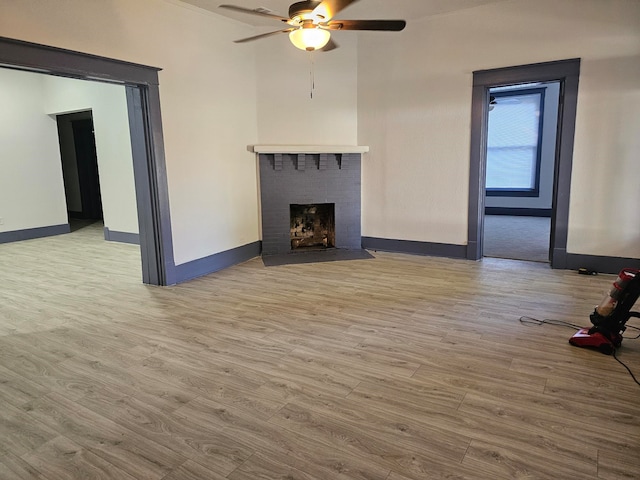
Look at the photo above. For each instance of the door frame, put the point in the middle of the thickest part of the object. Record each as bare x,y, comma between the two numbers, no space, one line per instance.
145,126
567,73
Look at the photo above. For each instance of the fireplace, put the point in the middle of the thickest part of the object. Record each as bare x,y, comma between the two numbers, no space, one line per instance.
310,199
313,226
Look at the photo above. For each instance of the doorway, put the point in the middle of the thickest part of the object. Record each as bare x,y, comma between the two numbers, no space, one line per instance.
145,124
520,160
566,74
80,166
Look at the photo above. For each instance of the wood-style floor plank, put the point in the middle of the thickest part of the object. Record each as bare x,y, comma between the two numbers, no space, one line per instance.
62,459
393,368
302,451
21,433
199,441
13,467
191,470
128,451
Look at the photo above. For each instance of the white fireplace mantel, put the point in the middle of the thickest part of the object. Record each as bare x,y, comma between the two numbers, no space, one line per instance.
308,148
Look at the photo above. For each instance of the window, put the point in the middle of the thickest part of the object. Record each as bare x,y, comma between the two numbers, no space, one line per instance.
514,142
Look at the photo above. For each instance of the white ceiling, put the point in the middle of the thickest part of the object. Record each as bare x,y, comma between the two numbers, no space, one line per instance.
362,9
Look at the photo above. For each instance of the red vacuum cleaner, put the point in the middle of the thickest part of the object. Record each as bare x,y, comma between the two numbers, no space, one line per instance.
609,318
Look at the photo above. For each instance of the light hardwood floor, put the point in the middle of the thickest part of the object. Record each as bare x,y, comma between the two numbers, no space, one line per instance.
396,368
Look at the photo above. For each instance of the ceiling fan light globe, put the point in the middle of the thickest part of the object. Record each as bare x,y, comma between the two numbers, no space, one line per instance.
309,38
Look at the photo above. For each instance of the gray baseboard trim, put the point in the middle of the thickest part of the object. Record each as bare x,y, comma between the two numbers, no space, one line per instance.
122,237
31,233
216,262
559,259
601,264
414,247
519,212
472,248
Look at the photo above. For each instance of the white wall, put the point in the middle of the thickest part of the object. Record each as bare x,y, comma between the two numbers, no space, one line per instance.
414,111
108,104
31,186
286,112
207,94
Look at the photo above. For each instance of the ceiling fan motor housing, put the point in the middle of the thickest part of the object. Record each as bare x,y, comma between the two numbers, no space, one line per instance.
299,8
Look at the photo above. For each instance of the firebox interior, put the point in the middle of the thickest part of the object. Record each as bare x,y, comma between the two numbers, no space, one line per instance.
313,226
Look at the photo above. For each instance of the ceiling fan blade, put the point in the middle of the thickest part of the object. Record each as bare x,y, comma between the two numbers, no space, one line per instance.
260,13
331,45
330,8
384,25
263,35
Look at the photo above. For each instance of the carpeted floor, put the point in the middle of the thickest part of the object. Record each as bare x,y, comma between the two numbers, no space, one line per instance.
518,238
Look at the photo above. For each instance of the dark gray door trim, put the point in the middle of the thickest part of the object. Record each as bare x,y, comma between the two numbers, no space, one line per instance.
145,123
567,72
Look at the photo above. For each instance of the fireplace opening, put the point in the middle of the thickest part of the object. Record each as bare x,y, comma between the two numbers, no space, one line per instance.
313,226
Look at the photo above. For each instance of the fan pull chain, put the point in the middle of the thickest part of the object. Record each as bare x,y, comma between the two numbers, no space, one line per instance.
311,74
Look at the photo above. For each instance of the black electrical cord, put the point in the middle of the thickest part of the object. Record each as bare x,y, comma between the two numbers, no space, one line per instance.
633,328
622,363
534,321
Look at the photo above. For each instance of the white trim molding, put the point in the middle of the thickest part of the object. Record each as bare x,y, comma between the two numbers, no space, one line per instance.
308,148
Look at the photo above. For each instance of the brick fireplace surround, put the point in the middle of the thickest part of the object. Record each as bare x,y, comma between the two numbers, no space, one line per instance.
309,174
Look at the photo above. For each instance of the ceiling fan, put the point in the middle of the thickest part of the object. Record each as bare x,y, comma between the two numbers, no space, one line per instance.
310,23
